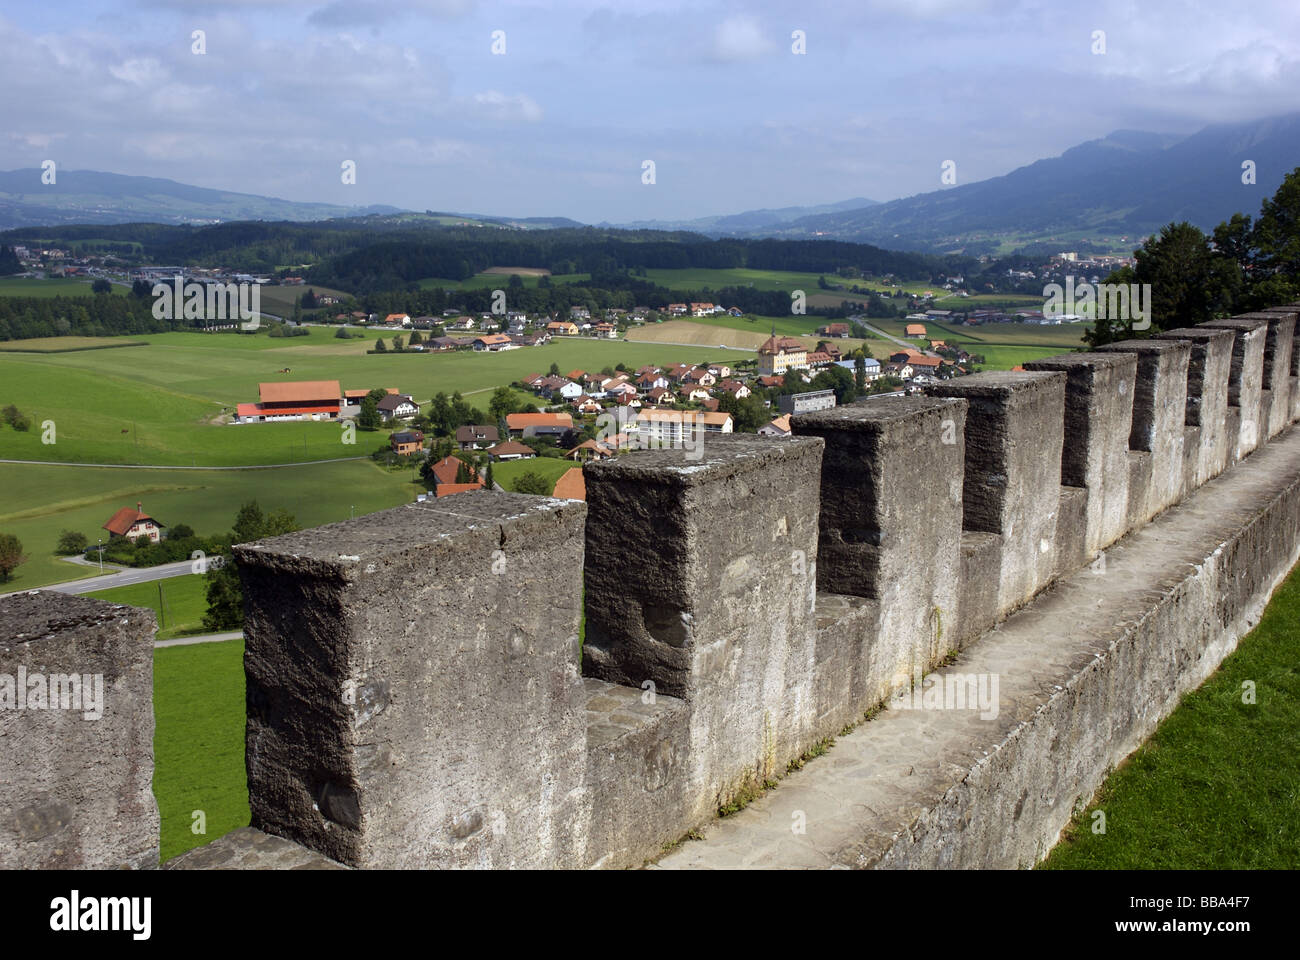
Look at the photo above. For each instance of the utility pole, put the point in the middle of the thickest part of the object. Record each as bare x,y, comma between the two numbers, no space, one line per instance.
101,556
162,615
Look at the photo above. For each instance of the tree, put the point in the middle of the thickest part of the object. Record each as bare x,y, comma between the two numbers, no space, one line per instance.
502,403
342,334
463,473
488,479
309,299
416,338
9,262
224,594
380,346
397,342
533,483
70,542
555,370
368,418
101,286
11,555
860,372
1275,273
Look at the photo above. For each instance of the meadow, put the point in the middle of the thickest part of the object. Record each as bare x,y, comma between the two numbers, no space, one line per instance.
50,287
44,500
178,602
199,714
550,469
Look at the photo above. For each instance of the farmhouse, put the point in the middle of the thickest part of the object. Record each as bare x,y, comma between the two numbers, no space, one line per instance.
834,330
531,424
915,330
494,342
562,328
300,400
130,524
397,320
475,436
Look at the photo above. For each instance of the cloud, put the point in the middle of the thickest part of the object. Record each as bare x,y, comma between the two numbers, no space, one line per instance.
740,38
502,107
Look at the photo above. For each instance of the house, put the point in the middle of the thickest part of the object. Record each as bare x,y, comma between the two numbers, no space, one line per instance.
780,427
397,407
710,404
406,442
699,377
533,424
397,320
442,344
462,323
295,400
719,370
475,436
697,395
834,330
511,450
701,309
579,313
571,390
445,472
914,330
494,342
902,371
770,382
590,450
621,389
571,486
778,354
659,396
586,405
735,311
733,387
650,381
130,524
676,309
818,359
606,330
562,328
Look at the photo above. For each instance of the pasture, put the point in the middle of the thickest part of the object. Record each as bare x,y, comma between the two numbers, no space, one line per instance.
43,500
550,469
51,287
178,602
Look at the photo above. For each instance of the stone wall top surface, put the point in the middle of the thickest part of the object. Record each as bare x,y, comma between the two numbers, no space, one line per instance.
717,457
40,614
872,414
997,383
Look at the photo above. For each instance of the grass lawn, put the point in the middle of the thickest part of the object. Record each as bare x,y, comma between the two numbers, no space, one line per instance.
1218,785
44,500
551,469
199,714
178,602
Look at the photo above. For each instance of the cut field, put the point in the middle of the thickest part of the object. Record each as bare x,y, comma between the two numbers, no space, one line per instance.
41,501
199,776
66,344
736,332
178,602
279,300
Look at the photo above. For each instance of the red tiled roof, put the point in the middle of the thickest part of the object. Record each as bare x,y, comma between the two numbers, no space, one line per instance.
518,421
301,391
571,486
125,519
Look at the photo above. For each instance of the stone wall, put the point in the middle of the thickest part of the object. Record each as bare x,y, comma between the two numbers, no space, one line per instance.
419,695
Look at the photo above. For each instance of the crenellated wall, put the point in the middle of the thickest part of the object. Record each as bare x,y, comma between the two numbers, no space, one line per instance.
418,695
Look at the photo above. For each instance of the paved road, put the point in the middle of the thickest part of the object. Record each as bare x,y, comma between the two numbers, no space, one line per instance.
123,579
158,466
888,336
205,638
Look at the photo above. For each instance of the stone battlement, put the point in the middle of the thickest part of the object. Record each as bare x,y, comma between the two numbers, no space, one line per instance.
418,693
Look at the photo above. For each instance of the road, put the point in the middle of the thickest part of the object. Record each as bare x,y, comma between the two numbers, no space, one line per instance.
205,638
888,336
124,579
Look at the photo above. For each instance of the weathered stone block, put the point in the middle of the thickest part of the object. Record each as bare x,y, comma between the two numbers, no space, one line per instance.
1209,366
893,466
76,734
1246,379
1098,419
414,697
1159,412
719,612
1279,349
1013,471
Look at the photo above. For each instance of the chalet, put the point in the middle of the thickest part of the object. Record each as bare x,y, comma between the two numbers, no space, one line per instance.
719,370
650,381
461,323
734,387
130,524
397,407
697,395
511,450
579,313
659,396
621,389
606,330
590,450
475,436
699,377
443,344
834,330
770,382
295,400
562,328
406,442
397,320
676,309
585,405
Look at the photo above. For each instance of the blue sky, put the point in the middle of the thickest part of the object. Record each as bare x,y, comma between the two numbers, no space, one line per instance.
561,123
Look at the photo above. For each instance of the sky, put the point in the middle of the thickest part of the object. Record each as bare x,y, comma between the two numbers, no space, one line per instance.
562,116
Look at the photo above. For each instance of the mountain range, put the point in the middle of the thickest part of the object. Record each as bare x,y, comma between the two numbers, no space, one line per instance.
1109,192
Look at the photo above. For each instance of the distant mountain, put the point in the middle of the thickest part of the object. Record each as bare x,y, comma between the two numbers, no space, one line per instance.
748,223
87,196
1127,184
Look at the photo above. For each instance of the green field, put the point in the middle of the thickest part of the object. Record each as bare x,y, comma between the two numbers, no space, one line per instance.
52,287
66,344
199,714
550,468
44,500
161,407
496,281
178,602
1218,785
